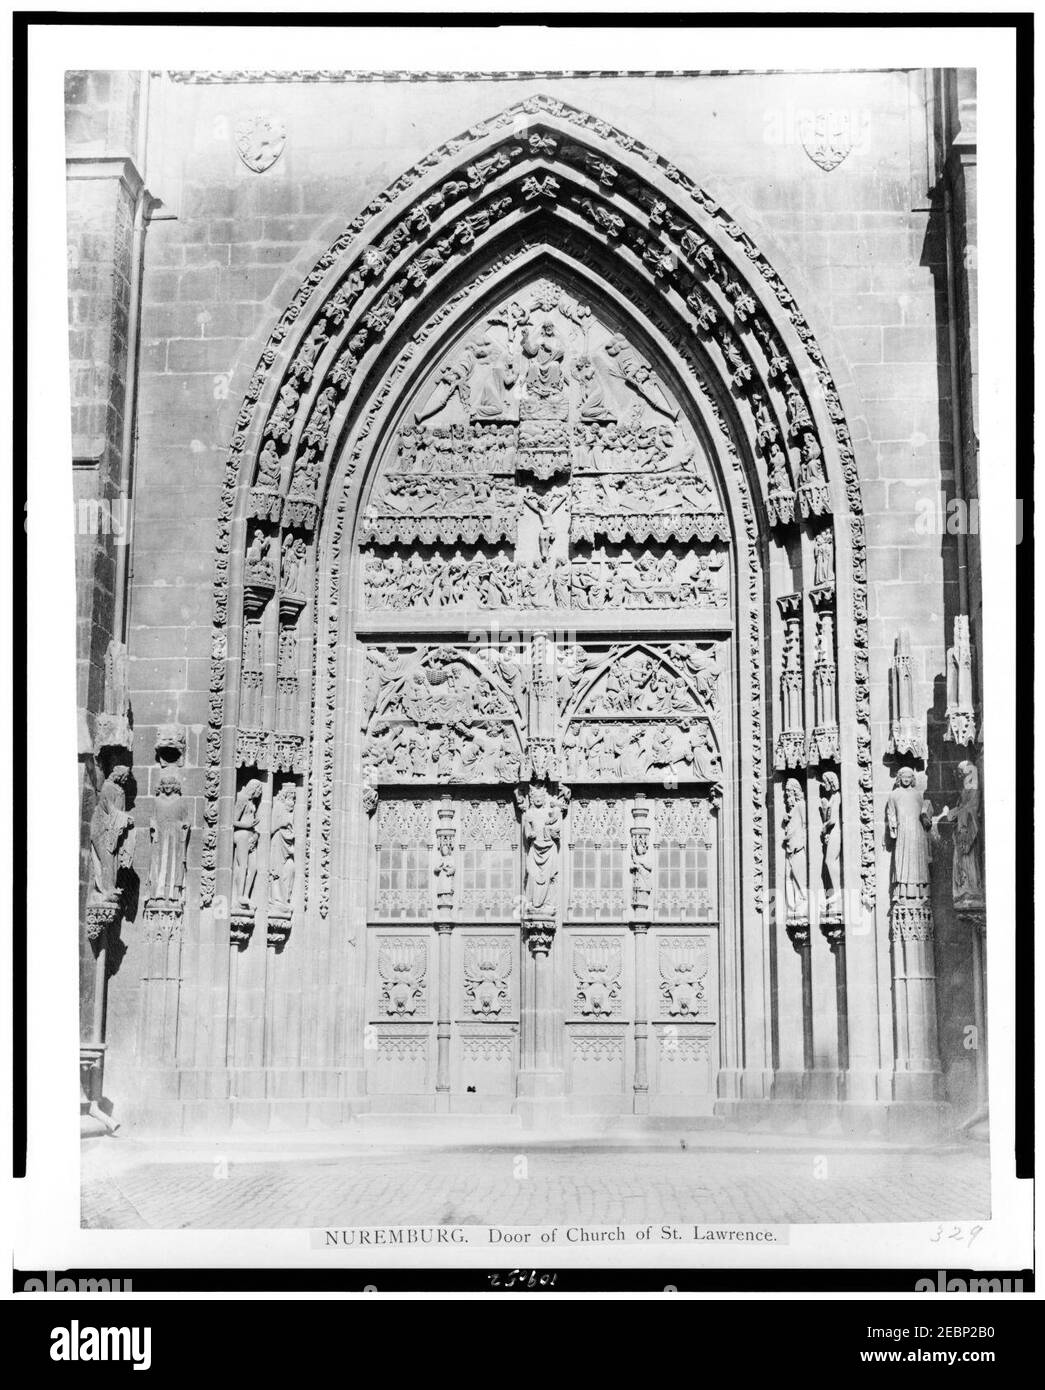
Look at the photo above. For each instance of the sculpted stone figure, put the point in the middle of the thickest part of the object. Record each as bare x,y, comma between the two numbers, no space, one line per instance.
908,818
169,832
541,831
282,860
245,844
795,850
966,873
831,837
823,557
111,828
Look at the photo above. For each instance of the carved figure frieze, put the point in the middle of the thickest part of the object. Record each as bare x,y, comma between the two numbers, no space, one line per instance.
673,505
434,509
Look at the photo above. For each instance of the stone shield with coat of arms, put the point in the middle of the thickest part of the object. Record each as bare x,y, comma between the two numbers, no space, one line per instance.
828,136
260,139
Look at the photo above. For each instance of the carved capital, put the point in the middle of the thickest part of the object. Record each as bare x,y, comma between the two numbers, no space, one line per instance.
100,917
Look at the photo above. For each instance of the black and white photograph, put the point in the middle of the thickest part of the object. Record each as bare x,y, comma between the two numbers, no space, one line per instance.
522,622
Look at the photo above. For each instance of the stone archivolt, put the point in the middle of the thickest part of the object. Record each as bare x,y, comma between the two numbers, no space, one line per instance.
550,396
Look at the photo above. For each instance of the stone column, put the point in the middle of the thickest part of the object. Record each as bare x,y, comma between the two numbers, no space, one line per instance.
443,1020
908,819
106,206
445,875
541,1080
640,1086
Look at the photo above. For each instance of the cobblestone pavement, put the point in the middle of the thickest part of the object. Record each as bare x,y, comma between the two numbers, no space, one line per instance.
509,1185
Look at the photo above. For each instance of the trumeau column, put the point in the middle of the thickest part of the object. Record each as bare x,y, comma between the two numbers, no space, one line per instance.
541,1084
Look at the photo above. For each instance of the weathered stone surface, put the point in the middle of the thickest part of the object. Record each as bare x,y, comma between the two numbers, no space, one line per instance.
265,667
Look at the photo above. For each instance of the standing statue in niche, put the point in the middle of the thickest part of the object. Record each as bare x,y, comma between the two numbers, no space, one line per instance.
282,861
111,835
541,832
908,818
966,873
831,840
169,833
795,849
245,844
823,557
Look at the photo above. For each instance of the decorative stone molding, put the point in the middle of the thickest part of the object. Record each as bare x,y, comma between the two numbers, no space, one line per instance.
906,737
734,294
961,713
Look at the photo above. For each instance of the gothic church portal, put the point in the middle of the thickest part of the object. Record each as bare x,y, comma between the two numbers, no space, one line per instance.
541,738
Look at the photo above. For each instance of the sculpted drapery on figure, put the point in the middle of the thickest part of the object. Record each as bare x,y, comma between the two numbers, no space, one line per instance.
245,837
908,818
831,840
966,871
169,832
111,832
542,814
282,860
796,853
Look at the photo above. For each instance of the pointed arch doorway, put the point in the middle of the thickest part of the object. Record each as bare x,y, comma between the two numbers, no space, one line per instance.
545,614
540,635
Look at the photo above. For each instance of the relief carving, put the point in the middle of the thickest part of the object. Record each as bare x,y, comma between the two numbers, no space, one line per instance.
402,965
487,972
597,965
683,963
